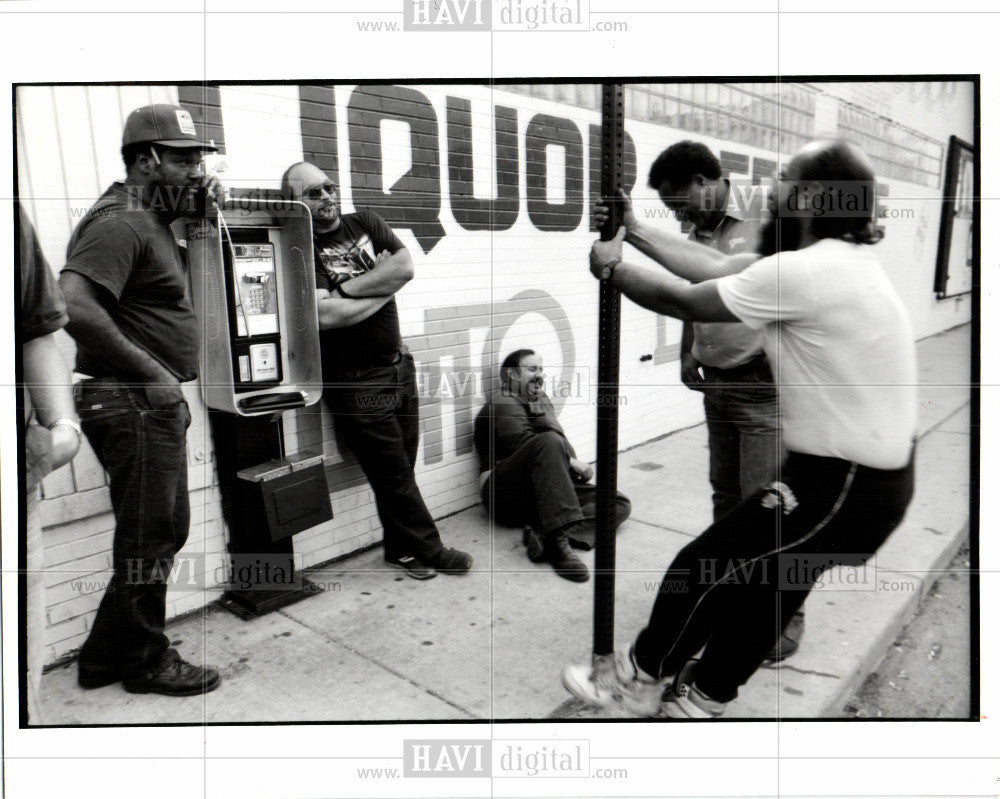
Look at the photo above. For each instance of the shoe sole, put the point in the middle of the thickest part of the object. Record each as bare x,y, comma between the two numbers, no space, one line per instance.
777,658
573,578
673,710
198,689
533,544
89,683
410,573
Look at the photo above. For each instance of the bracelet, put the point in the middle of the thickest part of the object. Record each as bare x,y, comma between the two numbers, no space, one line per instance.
339,288
67,422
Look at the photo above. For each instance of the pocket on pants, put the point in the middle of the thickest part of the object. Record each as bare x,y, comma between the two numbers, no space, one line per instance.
98,400
165,431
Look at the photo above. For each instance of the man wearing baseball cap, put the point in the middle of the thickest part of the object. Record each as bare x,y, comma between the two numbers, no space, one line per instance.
125,283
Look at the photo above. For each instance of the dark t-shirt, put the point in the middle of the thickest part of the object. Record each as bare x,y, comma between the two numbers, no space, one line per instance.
43,310
125,247
351,250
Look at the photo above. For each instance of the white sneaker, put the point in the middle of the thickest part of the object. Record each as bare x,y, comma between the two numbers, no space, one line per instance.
638,692
685,701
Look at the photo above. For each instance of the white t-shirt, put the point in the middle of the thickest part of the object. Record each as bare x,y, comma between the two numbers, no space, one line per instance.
840,344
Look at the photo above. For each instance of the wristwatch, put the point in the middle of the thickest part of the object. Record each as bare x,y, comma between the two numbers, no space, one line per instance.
67,422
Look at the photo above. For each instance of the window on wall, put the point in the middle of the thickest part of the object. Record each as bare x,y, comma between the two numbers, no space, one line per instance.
776,116
896,151
779,117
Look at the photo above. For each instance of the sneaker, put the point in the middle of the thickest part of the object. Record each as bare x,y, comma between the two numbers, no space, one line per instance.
534,543
452,561
564,560
788,642
91,676
174,676
685,701
638,692
413,567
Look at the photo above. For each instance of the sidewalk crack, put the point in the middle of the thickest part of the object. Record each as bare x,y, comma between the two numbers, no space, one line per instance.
664,527
797,670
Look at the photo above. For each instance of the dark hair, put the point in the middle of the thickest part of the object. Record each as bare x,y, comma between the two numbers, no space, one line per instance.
513,361
680,162
846,165
131,152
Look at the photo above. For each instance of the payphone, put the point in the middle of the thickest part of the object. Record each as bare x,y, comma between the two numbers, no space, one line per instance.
253,289
253,286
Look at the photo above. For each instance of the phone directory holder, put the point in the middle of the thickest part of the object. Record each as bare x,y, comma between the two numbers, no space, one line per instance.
253,288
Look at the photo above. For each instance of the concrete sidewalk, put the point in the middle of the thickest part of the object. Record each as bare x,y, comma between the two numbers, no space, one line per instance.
490,645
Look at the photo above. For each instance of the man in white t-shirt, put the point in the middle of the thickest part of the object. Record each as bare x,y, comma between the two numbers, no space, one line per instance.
841,346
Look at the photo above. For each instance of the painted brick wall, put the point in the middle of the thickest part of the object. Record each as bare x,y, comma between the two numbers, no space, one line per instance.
490,193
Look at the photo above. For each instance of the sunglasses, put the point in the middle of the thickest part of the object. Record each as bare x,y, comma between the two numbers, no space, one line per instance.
316,192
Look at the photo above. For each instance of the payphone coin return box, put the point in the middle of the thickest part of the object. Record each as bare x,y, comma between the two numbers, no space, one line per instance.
291,494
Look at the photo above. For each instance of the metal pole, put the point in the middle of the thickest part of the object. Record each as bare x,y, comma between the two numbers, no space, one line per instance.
609,329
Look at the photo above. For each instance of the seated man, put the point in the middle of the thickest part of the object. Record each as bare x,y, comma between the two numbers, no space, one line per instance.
530,472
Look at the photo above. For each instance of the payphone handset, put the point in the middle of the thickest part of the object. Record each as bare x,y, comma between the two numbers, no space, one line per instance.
253,285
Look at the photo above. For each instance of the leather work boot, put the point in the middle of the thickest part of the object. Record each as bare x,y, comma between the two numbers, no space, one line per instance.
173,676
560,554
533,542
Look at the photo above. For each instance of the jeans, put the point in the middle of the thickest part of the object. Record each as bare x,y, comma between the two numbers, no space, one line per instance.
534,486
377,414
744,432
733,589
144,451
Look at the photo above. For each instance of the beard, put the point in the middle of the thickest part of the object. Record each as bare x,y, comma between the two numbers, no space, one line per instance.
172,200
780,234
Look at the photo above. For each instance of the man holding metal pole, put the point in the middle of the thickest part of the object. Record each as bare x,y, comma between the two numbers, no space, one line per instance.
725,361
840,341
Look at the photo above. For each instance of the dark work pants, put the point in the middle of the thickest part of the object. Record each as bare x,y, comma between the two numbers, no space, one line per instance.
144,452
734,588
535,486
744,432
377,414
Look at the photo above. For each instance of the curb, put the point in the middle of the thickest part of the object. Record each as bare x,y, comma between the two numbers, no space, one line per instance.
876,653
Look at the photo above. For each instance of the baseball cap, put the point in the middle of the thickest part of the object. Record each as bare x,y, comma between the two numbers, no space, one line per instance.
168,125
